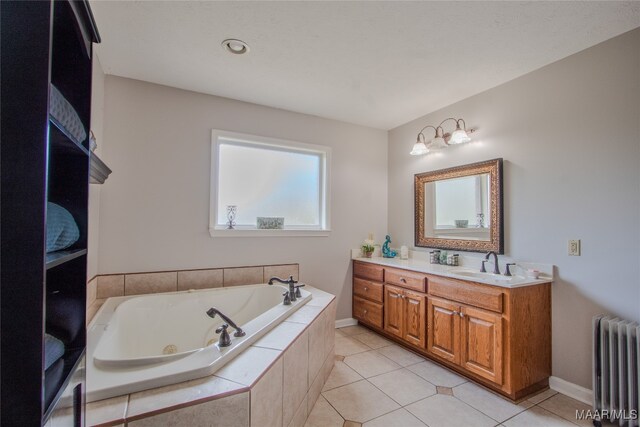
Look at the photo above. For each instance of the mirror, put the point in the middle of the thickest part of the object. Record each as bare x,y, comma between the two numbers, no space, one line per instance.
460,208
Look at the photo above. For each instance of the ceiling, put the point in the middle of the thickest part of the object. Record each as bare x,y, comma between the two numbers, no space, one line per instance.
379,64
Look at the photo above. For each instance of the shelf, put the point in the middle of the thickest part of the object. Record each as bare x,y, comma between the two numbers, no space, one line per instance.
58,136
98,171
54,259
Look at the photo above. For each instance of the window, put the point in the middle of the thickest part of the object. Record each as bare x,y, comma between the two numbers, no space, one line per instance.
266,177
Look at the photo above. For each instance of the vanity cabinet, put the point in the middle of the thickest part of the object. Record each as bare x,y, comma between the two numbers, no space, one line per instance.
405,315
498,336
466,336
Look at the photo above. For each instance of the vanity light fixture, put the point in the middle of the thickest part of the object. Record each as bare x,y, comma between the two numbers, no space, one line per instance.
235,46
441,140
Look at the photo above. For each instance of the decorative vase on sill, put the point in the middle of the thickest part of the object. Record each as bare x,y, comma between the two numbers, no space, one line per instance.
368,254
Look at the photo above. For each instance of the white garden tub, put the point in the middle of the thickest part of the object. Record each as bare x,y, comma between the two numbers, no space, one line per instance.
141,342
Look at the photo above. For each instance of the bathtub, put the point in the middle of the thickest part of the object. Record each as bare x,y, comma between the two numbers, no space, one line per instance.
136,343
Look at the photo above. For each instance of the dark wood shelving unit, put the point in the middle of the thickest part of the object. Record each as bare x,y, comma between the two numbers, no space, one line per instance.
43,43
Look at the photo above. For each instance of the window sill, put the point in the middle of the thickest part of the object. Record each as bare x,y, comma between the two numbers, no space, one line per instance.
254,232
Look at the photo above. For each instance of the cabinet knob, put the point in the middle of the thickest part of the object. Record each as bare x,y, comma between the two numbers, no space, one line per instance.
366,289
403,280
364,311
455,313
461,314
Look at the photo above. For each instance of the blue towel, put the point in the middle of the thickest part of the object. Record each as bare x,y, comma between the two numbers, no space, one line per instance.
62,230
63,114
53,350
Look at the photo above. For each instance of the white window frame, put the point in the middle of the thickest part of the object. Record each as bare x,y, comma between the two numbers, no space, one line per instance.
324,152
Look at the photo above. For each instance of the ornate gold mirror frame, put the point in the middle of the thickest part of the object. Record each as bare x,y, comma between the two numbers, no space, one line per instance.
496,226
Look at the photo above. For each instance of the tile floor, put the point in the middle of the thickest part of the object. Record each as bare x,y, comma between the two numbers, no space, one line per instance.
376,383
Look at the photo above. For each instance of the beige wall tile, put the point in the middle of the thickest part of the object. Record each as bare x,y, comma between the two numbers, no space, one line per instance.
107,410
243,276
200,279
281,271
296,360
92,291
110,286
149,401
93,309
329,327
266,398
234,410
150,283
316,346
329,363
315,388
300,416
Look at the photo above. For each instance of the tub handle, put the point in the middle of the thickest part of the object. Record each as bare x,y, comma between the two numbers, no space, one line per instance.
225,339
287,298
298,294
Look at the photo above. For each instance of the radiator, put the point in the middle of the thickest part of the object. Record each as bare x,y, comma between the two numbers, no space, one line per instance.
616,364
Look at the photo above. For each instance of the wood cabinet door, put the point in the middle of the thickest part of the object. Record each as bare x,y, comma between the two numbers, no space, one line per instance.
393,312
481,341
415,309
443,326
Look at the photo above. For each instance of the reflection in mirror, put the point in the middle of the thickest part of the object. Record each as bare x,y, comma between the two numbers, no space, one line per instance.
460,208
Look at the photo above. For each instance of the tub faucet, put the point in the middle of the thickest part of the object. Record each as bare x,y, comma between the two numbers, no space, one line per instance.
224,338
292,286
496,268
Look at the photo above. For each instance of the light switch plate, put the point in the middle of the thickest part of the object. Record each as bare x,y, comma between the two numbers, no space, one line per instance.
574,248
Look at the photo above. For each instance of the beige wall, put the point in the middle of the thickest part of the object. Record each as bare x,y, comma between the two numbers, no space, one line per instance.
154,208
97,126
570,137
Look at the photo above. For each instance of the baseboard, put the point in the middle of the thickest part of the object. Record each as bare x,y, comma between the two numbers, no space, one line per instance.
572,390
349,321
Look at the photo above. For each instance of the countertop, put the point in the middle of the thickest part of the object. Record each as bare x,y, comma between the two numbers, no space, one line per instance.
461,273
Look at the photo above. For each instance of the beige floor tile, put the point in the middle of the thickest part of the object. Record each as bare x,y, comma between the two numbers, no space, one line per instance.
566,407
447,411
346,346
323,415
398,418
537,417
403,386
370,363
436,375
372,340
353,330
399,355
339,333
542,396
360,401
281,336
341,375
498,408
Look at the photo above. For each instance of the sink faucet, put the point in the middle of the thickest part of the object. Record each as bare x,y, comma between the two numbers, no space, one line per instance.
225,340
496,268
292,287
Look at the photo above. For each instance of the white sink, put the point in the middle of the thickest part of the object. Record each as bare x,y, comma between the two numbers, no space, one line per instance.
485,276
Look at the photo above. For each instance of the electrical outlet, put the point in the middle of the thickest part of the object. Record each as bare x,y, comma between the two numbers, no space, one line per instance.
574,247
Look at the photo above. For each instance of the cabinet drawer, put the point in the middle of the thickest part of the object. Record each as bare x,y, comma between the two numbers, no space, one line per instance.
368,271
405,279
474,294
367,312
367,289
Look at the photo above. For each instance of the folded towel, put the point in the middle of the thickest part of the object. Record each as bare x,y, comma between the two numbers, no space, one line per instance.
63,115
53,350
62,230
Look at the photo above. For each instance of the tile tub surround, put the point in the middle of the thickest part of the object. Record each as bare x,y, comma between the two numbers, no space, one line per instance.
398,388
270,384
101,287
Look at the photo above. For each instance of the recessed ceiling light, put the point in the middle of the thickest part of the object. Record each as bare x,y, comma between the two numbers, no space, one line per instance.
235,46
